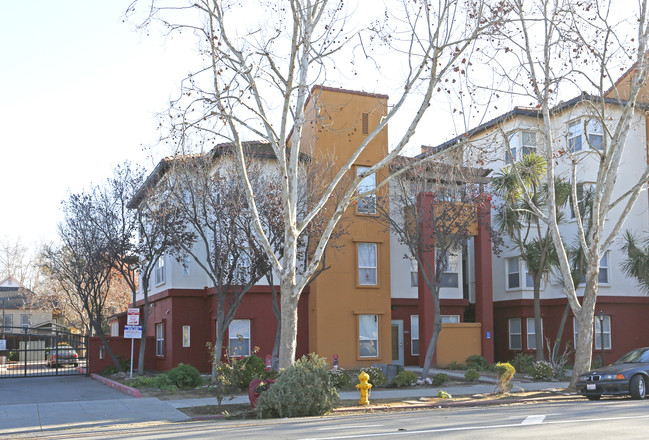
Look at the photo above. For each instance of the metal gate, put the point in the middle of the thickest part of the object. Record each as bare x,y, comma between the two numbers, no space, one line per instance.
36,352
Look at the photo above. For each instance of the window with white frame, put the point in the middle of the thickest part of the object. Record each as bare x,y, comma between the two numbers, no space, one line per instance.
515,335
367,264
576,138
517,274
602,277
582,194
513,267
450,275
531,333
414,335
186,336
450,319
160,339
368,335
239,334
606,325
575,332
9,320
521,143
414,273
159,271
25,320
114,328
366,204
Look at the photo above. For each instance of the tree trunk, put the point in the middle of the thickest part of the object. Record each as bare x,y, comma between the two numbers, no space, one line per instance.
538,323
437,328
557,342
288,341
220,332
102,337
584,349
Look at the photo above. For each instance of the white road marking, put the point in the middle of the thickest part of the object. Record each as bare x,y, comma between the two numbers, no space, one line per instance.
474,428
533,420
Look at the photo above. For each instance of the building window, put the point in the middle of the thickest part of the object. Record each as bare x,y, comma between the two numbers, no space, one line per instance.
114,328
582,194
531,333
367,264
368,335
9,320
186,266
521,144
101,351
449,277
602,277
414,273
594,130
160,339
603,269
515,337
607,333
25,321
186,336
450,319
365,122
159,271
366,204
414,335
239,342
515,268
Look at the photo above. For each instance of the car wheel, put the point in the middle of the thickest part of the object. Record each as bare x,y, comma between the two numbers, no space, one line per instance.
75,364
594,396
638,387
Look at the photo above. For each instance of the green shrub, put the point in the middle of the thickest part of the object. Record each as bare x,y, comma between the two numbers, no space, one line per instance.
476,362
440,379
456,366
405,378
522,362
492,368
304,389
340,378
144,382
110,370
443,395
251,367
505,374
183,376
541,370
472,375
377,378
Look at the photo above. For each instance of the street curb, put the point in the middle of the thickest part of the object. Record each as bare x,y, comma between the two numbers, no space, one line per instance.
447,405
118,386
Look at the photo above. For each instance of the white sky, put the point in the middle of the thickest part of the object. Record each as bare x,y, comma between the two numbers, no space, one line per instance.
79,93
79,90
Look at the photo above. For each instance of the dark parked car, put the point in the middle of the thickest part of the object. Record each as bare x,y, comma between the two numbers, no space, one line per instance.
62,356
628,375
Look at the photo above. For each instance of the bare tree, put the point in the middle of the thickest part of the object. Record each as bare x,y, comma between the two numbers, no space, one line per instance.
434,209
256,82
208,196
81,265
17,261
554,47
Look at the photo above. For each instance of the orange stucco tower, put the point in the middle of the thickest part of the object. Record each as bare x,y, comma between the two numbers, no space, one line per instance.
349,303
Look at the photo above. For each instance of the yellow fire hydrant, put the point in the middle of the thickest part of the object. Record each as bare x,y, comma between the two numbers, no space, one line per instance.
364,388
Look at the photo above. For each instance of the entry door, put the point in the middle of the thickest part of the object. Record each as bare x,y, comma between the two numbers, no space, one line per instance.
397,342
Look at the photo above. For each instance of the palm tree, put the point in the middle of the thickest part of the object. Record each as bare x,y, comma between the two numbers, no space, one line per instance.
637,263
518,185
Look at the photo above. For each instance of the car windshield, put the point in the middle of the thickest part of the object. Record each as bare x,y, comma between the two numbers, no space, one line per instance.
639,355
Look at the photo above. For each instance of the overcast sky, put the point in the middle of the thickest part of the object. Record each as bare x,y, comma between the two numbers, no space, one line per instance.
80,90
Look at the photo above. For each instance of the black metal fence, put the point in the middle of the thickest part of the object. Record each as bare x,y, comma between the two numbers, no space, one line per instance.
35,352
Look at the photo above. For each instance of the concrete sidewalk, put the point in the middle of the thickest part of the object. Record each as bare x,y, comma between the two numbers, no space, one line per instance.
44,404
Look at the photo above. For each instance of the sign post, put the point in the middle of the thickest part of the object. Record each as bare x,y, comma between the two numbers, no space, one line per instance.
132,330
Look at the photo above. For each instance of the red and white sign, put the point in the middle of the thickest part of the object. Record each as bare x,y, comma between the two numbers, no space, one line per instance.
133,317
